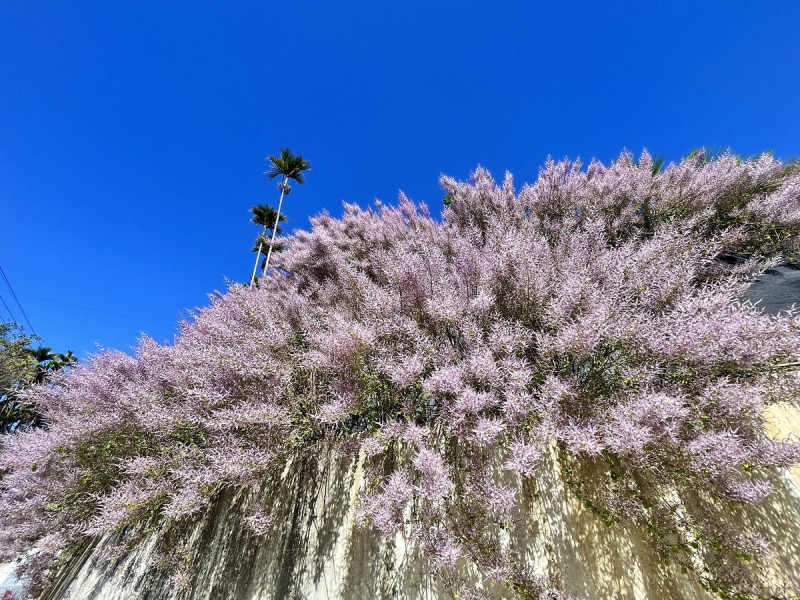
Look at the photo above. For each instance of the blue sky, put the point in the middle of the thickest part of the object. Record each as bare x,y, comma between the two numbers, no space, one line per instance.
133,134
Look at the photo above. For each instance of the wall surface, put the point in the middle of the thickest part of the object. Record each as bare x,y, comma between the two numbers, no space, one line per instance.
317,550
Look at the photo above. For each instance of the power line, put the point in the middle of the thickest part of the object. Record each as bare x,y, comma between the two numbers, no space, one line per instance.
11,289
107,312
8,309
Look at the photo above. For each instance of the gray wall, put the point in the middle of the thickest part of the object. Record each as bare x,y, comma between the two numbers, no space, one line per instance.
317,551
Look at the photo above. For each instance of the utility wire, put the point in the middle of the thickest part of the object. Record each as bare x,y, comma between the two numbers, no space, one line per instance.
11,289
13,318
107,312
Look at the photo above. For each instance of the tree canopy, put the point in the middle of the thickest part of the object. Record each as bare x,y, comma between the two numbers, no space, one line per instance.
22,365
266,216
288,165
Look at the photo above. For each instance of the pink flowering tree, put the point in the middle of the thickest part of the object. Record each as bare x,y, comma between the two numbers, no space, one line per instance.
593,316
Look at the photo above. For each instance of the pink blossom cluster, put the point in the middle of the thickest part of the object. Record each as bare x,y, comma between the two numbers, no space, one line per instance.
595,309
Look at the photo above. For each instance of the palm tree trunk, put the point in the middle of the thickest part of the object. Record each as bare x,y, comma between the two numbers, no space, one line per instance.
275,228
258,256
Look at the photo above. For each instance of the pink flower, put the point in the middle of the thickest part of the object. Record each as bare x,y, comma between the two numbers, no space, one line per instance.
523,458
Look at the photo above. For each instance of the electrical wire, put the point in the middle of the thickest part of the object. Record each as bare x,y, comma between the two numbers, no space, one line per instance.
22,310
13,318
106,312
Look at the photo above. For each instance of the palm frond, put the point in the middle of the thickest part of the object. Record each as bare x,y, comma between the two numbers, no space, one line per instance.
289,165
265,215
658,164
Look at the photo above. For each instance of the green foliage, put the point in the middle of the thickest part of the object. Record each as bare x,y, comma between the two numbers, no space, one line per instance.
266,216
15,360
289,165
100,456
21,366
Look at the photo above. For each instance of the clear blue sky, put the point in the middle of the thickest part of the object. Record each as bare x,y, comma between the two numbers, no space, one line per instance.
133,133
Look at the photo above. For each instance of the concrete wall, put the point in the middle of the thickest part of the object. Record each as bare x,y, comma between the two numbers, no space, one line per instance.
317,551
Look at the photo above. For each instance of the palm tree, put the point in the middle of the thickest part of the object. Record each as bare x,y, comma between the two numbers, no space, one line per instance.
34,365
291,167
265,215
48,362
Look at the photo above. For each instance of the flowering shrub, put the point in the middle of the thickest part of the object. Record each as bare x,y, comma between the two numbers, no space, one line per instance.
594,311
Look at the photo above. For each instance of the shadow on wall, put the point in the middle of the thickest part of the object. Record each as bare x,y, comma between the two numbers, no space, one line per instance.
316,550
